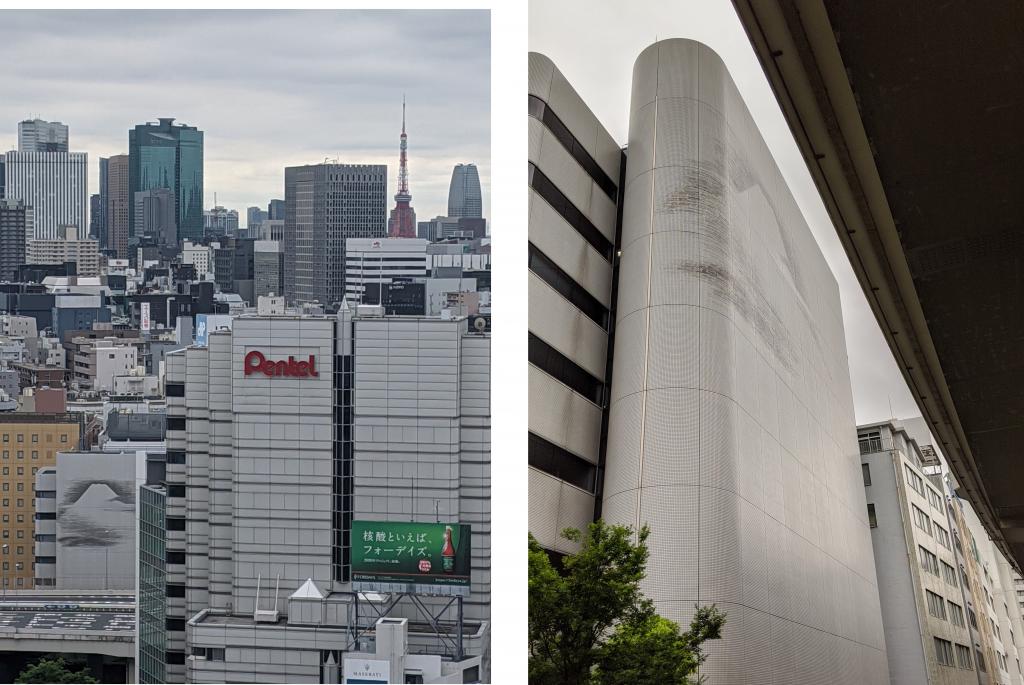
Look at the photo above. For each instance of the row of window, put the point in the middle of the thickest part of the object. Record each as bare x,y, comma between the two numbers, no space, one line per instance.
917,483
567,287
945,654
20,454
35,437
20,470
556,364
564,206
541,111
562,464
922,521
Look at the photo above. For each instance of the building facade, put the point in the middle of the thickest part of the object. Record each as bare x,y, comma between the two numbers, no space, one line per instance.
464,196
54,184
16,229
28,442
374,262
925,605
169,155
277,466
153,624
119,209
326,204
154,216
36,135
720,354
68,246
92,540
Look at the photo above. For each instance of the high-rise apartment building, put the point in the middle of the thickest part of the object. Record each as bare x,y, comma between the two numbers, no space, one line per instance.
28,442
119,204
688,372
326,204
54,184
464,196
15,232
283,430
68,246
925,601
166,155
36,135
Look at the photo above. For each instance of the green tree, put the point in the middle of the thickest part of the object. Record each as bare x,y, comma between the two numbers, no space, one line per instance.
53,669
591,625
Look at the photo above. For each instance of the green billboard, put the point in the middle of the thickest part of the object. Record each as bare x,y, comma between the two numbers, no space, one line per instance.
418,558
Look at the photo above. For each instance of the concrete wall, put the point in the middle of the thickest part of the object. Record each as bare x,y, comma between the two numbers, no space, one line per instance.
732,430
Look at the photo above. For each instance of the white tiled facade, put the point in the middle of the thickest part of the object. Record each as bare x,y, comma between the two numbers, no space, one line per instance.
731,429
263,491
54,184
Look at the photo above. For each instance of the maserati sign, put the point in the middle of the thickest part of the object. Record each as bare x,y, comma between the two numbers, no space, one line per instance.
257,362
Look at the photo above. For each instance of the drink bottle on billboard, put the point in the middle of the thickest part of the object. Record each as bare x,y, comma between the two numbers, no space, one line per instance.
448,552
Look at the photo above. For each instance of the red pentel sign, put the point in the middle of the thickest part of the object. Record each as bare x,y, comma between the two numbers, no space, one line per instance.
256,362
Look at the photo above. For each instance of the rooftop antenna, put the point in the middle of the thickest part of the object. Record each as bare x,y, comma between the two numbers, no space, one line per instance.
891,414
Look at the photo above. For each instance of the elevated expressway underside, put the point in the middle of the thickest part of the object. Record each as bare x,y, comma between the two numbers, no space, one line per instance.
910,116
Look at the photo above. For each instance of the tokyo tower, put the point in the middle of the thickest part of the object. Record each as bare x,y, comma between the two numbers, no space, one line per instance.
402,223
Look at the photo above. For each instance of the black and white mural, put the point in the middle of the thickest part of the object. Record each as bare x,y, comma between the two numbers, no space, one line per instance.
96,521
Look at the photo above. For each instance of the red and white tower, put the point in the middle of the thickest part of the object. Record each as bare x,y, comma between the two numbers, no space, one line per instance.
402,223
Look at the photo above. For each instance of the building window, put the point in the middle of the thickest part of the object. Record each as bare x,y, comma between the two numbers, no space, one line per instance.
872,520
981,660
929,562
64,438
866,470
944,651
870,441
956,614
921,520
963,657
943,537
35,437
949,573
936,605
561,464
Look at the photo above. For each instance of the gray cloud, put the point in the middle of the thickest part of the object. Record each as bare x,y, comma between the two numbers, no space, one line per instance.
599,63
268,88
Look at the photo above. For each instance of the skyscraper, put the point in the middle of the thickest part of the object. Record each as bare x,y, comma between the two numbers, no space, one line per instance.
324,205
464,198
101,223
94,216
275,210
402,223
254,216
54,184
688,372
165,155
15,231
119,214
36,135
154,215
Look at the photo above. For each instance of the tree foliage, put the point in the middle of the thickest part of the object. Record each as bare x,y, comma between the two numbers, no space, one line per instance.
591,625
53,669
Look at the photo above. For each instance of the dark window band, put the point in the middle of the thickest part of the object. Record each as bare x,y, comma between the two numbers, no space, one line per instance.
562,464
556,364
175,456
175,389
541,111
567,287
550,192
175,423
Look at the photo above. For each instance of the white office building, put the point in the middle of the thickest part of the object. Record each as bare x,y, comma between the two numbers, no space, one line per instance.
36,135
67,246
722,416
372,262
54,184
282,431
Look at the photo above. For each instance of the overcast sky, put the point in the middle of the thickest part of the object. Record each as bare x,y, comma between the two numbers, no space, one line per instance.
269,90
597,57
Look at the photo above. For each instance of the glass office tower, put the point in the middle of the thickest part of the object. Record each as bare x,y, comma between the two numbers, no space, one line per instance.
152,585
163,155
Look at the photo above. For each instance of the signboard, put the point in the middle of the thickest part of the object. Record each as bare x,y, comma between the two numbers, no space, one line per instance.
257,362
367,671
144,315
202,330
419,558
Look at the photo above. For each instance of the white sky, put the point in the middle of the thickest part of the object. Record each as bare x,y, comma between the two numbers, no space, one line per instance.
269,89
595,42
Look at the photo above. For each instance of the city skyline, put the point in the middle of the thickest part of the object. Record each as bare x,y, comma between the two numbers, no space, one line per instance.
372,58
